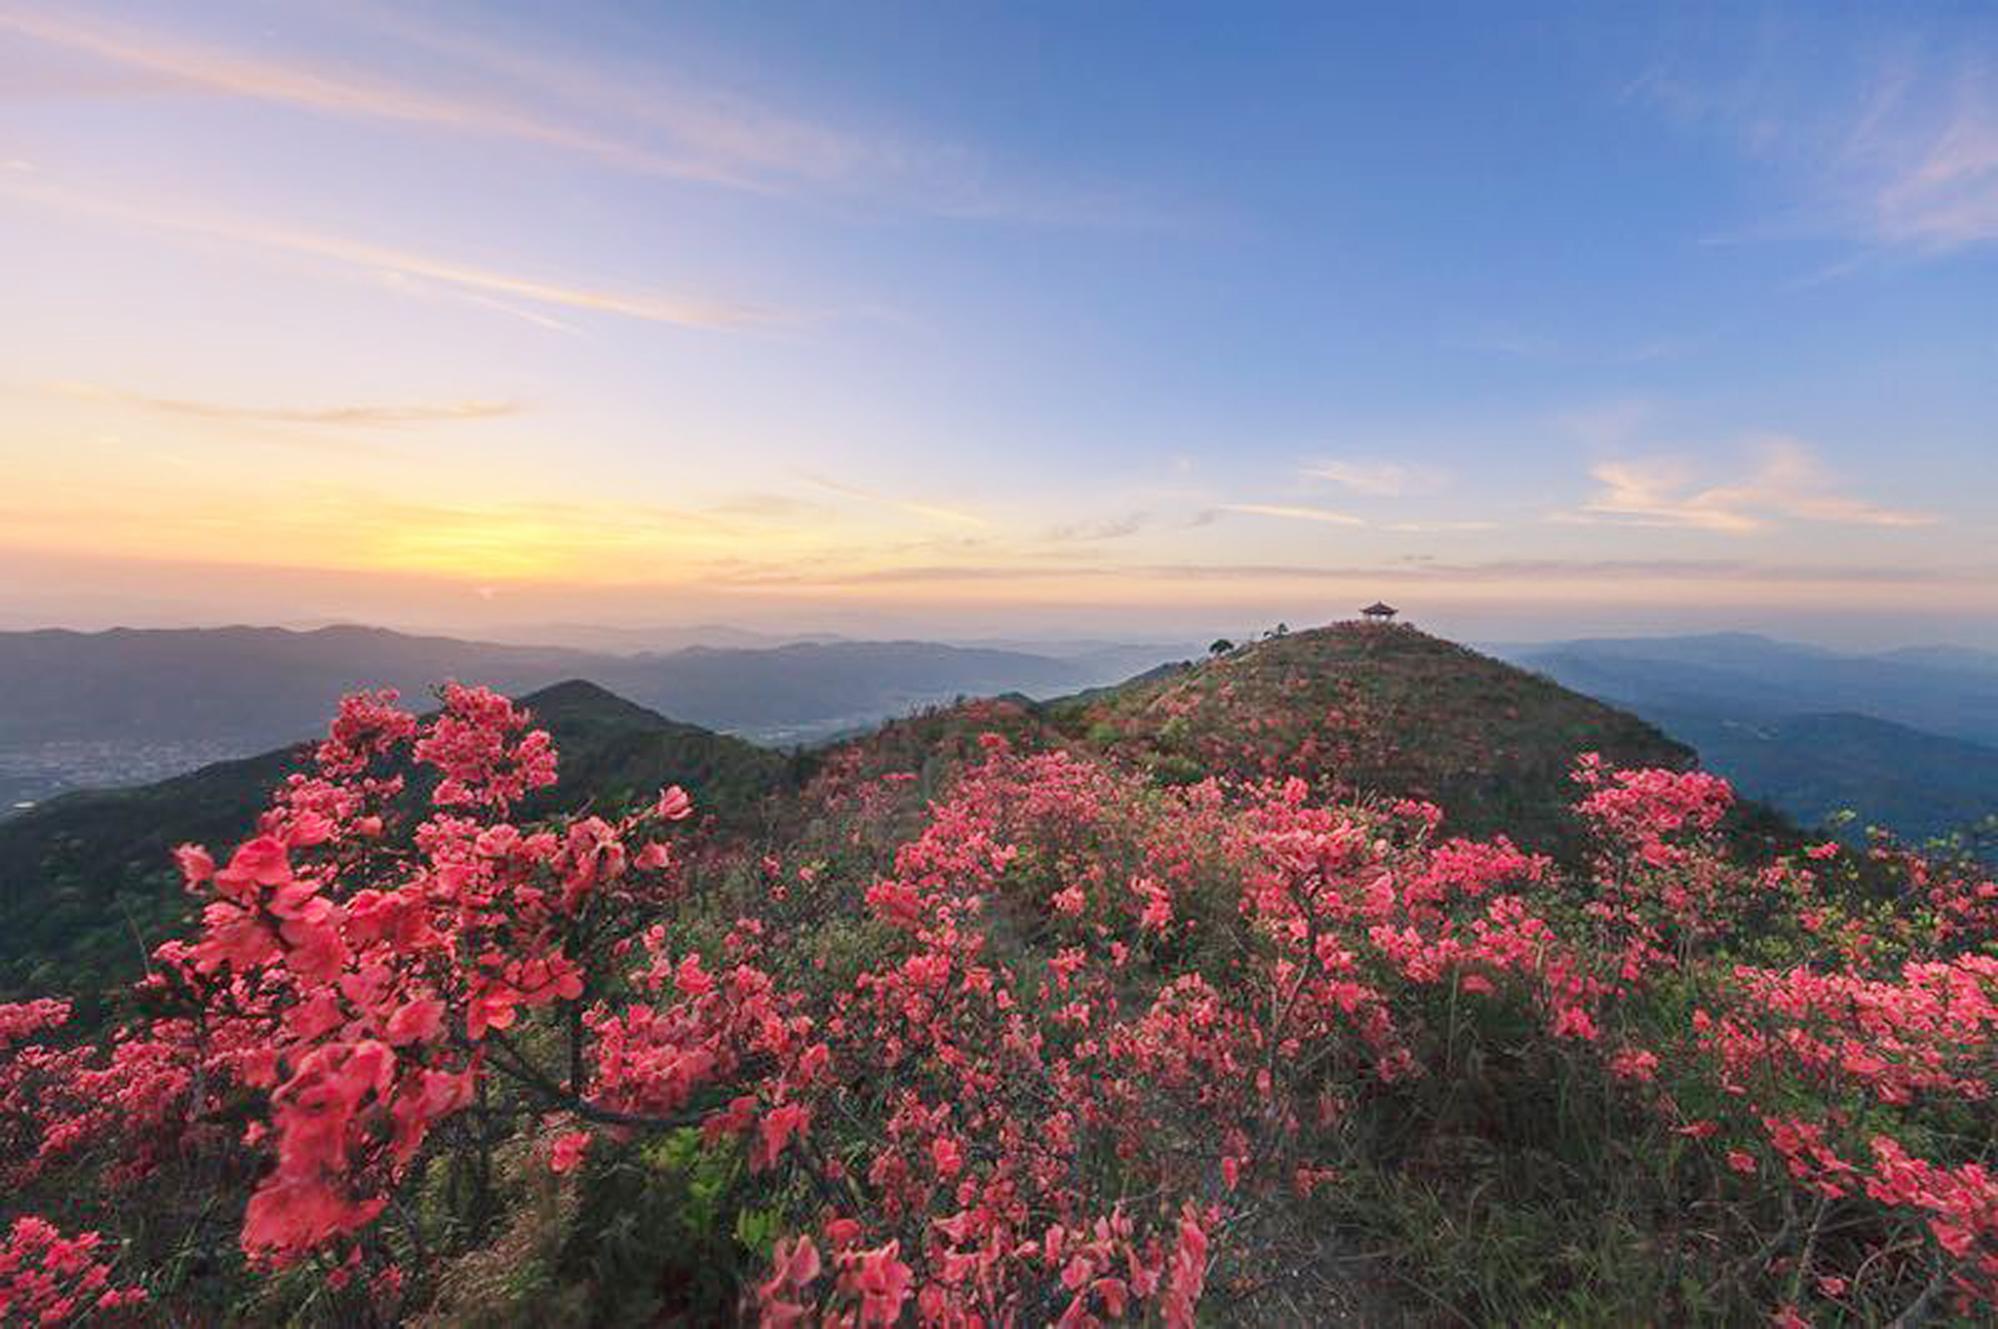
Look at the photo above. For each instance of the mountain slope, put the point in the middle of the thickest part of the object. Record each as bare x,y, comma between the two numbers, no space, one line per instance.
1386,710
1952,692
1919,785
1905,739
87,885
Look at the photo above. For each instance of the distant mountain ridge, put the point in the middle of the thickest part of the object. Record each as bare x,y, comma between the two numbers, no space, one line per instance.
138,693
245,683
1907,739
1951,691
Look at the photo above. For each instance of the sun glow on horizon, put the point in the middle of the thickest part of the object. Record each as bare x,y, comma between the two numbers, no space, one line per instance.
336,293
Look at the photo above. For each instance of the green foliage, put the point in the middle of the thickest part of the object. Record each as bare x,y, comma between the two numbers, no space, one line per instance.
669,1223
1523,1187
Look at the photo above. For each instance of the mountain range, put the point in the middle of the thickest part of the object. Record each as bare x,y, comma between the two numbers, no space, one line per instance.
124,706
1904,739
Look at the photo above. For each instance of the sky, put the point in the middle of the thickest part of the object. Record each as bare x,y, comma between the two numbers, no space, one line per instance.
1536,320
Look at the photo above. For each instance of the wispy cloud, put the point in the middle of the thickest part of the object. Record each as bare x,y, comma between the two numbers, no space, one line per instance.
913,507
483,282
1294,512
1427,527
1902,154
737,140
743,140
1788,485
371,415
325,88
404,284
1934,165
641,120
1374,480
1429,573
1579,570
1384,479
1657,492
1111,528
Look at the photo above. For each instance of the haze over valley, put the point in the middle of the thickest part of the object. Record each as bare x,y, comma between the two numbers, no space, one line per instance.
130,706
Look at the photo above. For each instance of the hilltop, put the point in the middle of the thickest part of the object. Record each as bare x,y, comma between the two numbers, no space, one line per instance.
1364,708
1354,709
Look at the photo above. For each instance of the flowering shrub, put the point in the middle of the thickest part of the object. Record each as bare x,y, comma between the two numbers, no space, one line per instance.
1001,1029
360,986
49,1279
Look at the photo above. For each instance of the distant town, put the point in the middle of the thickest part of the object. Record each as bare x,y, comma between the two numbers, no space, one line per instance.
32,773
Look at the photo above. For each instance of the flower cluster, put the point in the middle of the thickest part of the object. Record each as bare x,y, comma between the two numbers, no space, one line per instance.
47,1278
360,985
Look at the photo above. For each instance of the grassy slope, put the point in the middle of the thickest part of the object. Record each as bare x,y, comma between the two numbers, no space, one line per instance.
1385,710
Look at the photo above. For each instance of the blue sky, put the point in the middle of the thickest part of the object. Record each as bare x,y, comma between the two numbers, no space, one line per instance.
1535,319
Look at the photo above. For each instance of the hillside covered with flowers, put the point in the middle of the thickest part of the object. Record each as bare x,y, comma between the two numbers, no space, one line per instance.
1176,1005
